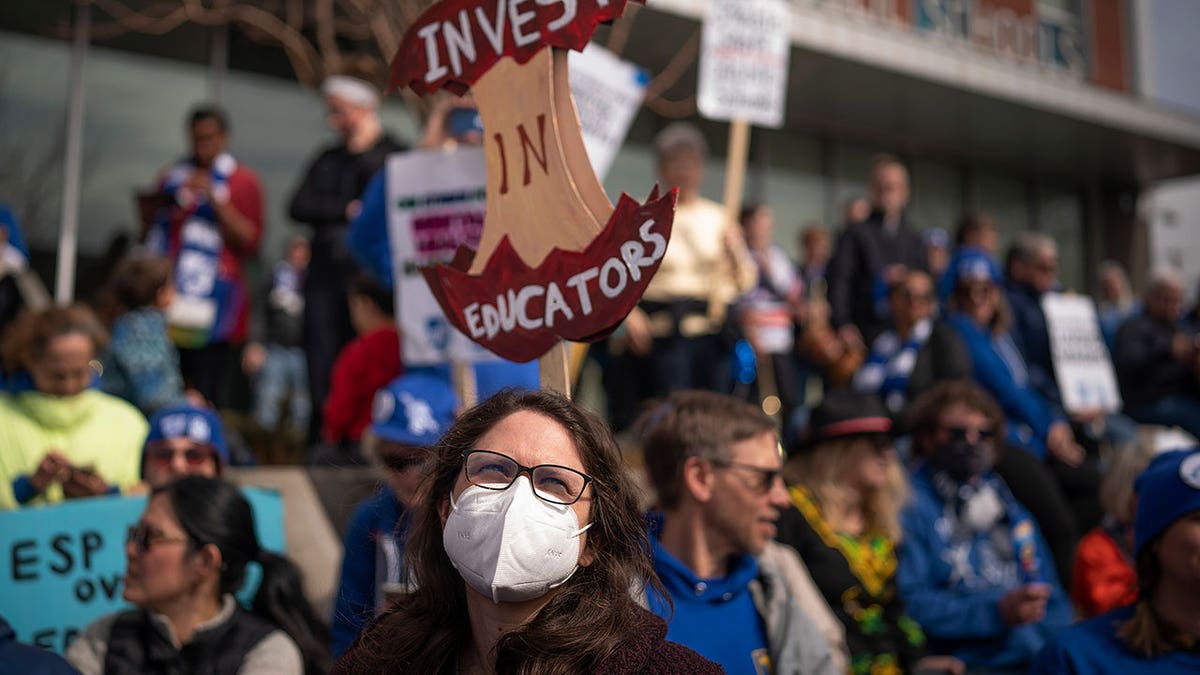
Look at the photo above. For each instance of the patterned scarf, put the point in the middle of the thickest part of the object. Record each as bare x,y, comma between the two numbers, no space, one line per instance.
189,232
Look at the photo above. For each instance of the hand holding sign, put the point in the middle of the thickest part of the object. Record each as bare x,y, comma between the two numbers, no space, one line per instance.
555,259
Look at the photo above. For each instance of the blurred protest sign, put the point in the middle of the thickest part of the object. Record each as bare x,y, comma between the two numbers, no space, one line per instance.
1081,362
435,204
744,61
61,566
607,93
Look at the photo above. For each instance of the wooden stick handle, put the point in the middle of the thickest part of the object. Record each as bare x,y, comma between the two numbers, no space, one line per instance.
735,168
462,378
554,371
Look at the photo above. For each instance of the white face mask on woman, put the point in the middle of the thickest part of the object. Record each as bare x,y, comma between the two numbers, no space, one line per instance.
509,544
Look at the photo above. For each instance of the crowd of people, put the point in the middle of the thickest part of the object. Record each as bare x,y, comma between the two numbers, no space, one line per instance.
860,462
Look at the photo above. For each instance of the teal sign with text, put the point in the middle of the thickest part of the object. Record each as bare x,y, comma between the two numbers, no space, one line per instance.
61,566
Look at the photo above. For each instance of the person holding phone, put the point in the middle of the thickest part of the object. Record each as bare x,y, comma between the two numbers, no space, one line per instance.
974,569
60,436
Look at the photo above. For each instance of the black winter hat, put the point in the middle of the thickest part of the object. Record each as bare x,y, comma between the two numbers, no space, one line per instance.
846,413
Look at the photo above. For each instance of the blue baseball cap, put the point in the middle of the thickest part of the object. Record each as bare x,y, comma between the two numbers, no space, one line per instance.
968,264
199,425
414,409
1167,490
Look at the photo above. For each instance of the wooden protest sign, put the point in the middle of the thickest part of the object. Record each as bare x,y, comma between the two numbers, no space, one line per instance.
555,259
743,80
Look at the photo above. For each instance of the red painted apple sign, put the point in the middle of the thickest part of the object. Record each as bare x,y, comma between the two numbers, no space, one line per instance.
556,260
456,42
519,312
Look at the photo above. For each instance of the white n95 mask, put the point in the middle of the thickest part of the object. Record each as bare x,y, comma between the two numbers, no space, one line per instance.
509,544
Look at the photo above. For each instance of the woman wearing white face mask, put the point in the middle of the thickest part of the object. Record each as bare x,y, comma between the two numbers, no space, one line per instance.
525,555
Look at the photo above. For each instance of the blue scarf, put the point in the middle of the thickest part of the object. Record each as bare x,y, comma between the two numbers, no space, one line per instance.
191,231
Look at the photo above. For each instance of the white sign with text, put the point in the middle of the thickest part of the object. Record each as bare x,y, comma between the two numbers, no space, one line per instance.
607,93
435,204
1082,364
744,61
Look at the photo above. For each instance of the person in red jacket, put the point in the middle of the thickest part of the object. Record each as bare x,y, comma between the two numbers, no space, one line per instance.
363,367
1103,577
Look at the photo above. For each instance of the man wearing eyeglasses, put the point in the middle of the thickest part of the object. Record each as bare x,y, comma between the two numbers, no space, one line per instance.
184,440
739,598
408,416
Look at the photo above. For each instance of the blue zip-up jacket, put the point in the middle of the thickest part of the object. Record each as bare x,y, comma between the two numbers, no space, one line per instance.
952,586
374,539
998,367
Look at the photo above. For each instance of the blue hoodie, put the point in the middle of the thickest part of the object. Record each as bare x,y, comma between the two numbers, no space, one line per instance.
714,617
952,585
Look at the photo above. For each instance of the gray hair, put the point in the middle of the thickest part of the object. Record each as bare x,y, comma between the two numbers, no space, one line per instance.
1164,277
677,138
1029,244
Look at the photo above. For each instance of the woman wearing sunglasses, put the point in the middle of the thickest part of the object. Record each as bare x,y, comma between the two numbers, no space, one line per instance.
525,552
1046,470
186,557
974,569
848,490
184,440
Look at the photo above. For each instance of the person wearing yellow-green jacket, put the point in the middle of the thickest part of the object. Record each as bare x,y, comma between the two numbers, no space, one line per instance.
63,439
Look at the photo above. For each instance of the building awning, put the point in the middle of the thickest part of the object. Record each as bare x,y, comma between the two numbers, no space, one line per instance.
863,81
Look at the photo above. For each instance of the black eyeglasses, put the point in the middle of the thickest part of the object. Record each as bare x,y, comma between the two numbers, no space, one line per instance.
766,479
143,537
551,482
961,433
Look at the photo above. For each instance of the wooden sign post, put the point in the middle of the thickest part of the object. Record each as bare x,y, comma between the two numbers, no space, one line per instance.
743,79
556,260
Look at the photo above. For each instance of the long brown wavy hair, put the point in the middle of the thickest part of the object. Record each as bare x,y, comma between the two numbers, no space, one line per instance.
1146,633
589,615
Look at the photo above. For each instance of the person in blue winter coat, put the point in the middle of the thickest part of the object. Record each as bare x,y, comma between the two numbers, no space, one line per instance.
1160,632
979,314
408,417
974,569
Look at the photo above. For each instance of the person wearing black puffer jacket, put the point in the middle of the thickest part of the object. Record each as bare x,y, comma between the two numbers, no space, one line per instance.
187,555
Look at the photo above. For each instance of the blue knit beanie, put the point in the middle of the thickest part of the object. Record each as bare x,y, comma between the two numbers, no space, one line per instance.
1167,490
